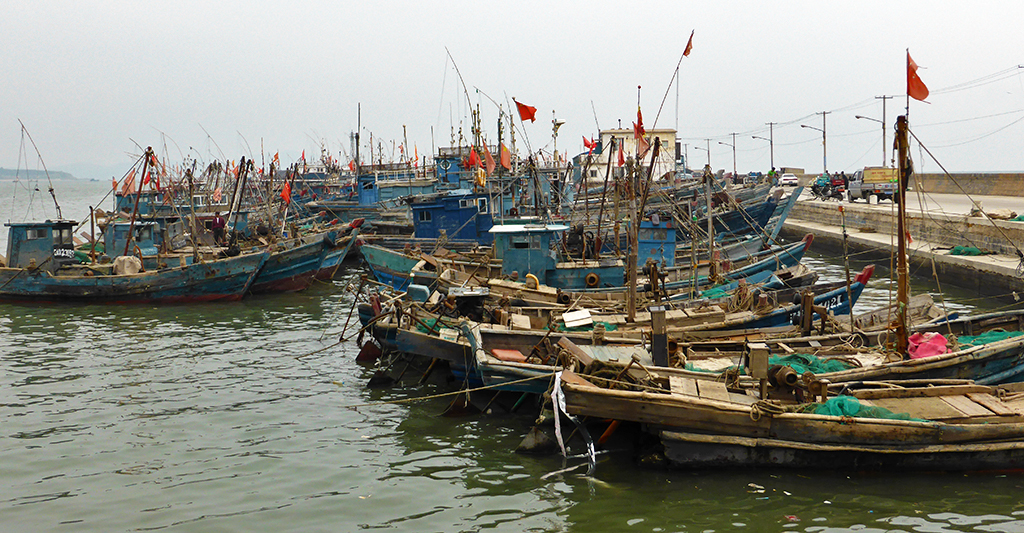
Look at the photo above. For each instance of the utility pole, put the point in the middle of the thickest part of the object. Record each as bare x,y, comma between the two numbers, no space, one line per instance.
885,150
771,142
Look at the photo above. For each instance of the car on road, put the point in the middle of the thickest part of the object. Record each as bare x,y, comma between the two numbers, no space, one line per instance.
788,180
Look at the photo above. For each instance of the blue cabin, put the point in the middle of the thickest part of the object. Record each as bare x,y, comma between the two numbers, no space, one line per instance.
533,249
656,240
47,244
461,214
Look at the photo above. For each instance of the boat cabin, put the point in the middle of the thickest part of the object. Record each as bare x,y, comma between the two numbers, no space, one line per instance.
656,240
461,214
533,249
47,244
147,235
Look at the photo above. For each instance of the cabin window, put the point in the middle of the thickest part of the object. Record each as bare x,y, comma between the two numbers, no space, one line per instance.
593,173
424,216
368,186
63,236
481,205
654,234
464,203
198,201
535,242
35,233
521,242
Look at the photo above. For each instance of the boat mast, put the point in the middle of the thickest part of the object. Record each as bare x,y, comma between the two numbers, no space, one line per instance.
902,271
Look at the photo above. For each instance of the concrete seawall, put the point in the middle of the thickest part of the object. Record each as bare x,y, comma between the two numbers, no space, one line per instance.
972,183
870,233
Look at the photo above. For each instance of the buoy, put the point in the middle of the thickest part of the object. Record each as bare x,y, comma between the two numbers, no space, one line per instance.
592,280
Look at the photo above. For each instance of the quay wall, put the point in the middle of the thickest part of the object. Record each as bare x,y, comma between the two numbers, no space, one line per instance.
944,230
973,183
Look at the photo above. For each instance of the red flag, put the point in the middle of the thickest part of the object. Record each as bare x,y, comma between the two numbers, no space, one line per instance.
286,192
352,165
689,45
129,182
526,112
303,156
915,87
622,157
589,144
474,159
156,182
642,146
217,194
505,157
490,166
115,183
638,126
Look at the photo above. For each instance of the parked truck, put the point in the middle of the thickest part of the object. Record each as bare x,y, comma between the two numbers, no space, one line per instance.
880,181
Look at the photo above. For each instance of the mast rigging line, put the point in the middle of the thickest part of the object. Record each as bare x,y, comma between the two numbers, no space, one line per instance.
1020,254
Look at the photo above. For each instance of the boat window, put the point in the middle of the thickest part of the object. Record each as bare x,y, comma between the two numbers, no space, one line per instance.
35,233
535,242
368,186
464,203
521,242
653,234
481,205
424,216
198,201
144,234
61,236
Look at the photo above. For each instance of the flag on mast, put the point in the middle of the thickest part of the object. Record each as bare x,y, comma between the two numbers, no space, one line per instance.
689,44
916,88
526,112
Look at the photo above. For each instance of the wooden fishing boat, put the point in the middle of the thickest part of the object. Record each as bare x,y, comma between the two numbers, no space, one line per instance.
932,426
42,268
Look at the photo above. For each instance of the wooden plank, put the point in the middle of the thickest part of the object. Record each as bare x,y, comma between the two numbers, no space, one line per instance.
569,376
567,344
992,403
928,408
942,390
967,406
713,390
683,385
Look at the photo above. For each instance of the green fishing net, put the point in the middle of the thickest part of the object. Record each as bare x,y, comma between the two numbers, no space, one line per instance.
850,406
805,362
987,337
966,250
588,327
798,362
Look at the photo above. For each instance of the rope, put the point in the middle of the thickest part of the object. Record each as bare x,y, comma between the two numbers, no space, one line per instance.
448,394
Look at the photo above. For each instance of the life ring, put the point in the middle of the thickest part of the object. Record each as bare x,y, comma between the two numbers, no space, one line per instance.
532,282
592,279
445,164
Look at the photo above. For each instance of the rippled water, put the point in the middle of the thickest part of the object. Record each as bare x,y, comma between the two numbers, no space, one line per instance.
246,416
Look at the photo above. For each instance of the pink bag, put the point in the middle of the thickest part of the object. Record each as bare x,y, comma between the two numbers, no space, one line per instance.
927,345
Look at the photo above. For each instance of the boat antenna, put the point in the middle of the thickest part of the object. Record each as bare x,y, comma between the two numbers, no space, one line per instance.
25,133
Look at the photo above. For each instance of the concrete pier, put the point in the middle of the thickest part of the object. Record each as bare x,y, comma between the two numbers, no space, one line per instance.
871,234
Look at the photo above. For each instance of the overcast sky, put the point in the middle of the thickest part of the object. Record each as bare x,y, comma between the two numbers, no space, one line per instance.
91,79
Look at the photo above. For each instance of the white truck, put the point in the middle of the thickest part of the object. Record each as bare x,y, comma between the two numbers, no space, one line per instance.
880,181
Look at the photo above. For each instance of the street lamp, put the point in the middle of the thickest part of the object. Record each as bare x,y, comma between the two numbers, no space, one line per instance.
824,151
771,147
733,145
708,150
885,152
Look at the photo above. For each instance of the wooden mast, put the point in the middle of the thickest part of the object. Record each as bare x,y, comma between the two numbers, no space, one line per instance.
902,271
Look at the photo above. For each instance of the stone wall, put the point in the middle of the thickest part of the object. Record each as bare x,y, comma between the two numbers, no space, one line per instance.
944,230
988,183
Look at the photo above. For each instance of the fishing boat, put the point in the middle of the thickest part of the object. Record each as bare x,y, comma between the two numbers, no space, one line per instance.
42,267
933,426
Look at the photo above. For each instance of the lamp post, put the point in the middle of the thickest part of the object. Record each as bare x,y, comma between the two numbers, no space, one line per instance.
885,152
708,150
824,149
771,148
733,146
